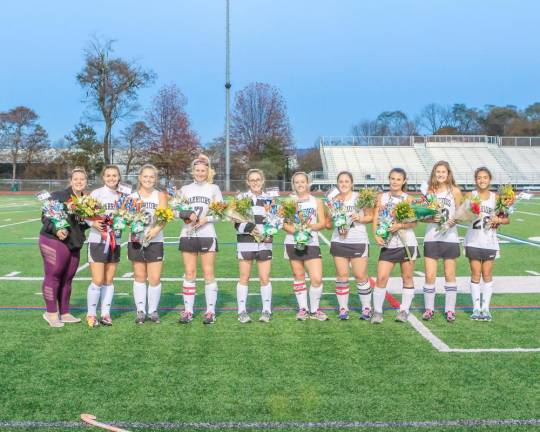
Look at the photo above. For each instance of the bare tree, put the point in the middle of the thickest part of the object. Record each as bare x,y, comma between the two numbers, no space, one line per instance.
434,117
260,117
16,126
36,143
136,142
364,129
172,142
395,123
111,86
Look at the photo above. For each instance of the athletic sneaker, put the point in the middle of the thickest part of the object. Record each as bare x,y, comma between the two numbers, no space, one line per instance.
319,315
450,316
366,314
106,320
185,317
53,322
141,318
377,318
92,321
476,315
154,317
427,315
343,314
402,316
243,317
69,319
209,318
486,315
302,315
265,317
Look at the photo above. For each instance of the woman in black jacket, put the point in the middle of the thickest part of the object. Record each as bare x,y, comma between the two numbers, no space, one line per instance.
60,250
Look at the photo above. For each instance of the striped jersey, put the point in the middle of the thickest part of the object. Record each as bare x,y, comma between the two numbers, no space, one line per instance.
246,242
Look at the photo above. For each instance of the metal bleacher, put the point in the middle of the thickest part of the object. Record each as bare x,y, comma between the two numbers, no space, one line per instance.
370,163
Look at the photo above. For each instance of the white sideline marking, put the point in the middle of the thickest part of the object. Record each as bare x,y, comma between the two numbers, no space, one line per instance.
15,273
498,350
121,294
128,275
527,213
532,272
323,238
520,220
30,238
18,223
6,220
419,273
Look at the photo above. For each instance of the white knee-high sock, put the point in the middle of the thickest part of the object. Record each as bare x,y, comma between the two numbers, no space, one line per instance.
450,294
486,295
92,298
210,292
154,294
139,295
189,289
364,292
315,294
379,294
300,291
406,298
475,295
342,294
429,296
107,293
266,297
241,297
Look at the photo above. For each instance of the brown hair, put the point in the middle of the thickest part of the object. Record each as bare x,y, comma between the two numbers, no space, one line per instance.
347,173
109,167
484,169
403,173
302,173
450,181
255,171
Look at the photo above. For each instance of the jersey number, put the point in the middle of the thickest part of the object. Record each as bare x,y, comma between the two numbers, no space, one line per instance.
482,223
198,211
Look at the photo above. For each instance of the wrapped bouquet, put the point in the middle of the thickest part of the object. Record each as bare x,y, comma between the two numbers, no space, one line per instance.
54,210
340,218
367,198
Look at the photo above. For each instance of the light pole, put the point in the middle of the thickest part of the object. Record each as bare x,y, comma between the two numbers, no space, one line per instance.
227,100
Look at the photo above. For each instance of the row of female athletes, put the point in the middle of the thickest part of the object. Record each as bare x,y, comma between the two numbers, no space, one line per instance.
61,249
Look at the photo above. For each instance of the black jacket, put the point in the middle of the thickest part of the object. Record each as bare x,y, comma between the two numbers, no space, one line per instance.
75,239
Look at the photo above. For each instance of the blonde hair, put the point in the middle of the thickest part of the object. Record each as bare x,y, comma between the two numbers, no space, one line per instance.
255,171
450,181
302,173
202,159
145,167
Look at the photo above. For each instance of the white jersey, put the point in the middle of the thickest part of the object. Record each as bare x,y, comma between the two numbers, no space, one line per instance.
199,196
480,234
149,206
246,242
357,232
309,210
107,197
389,201
446,198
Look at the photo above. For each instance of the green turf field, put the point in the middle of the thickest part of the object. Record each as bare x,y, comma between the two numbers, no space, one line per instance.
285,371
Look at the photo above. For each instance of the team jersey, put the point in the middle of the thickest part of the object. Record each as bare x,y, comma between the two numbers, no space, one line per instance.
199,196
107,197
389,201
480,234
446,198
246,242
309,210
357,232
149,206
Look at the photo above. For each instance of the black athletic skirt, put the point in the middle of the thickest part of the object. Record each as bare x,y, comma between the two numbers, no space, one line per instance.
349,250
480,254
309,253
198,244
97,254
152,253
396,255
441,250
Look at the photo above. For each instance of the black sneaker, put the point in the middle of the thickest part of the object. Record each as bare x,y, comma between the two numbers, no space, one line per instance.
141,318
154,317
209,318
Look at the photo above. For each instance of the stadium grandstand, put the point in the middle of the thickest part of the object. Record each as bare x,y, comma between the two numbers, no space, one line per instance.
512,160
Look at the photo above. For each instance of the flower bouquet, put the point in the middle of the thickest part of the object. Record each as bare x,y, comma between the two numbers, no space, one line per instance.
239,211
85,207
383,226
54,210
273,222
340,219
367,198
468,210
120,216
181,208
505,201
218,209
302,232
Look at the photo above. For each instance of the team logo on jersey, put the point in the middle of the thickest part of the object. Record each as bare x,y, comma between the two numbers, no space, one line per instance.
199,199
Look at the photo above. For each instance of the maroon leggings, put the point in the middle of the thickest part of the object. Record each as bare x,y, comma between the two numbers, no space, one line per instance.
60,266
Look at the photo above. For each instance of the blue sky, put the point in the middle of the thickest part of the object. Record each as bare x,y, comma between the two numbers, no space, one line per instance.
335,62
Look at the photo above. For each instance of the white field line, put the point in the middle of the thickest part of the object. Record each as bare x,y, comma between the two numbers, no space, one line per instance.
323,238
527,213
7,220
128,275
15,273
419,273
19,223
532,272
